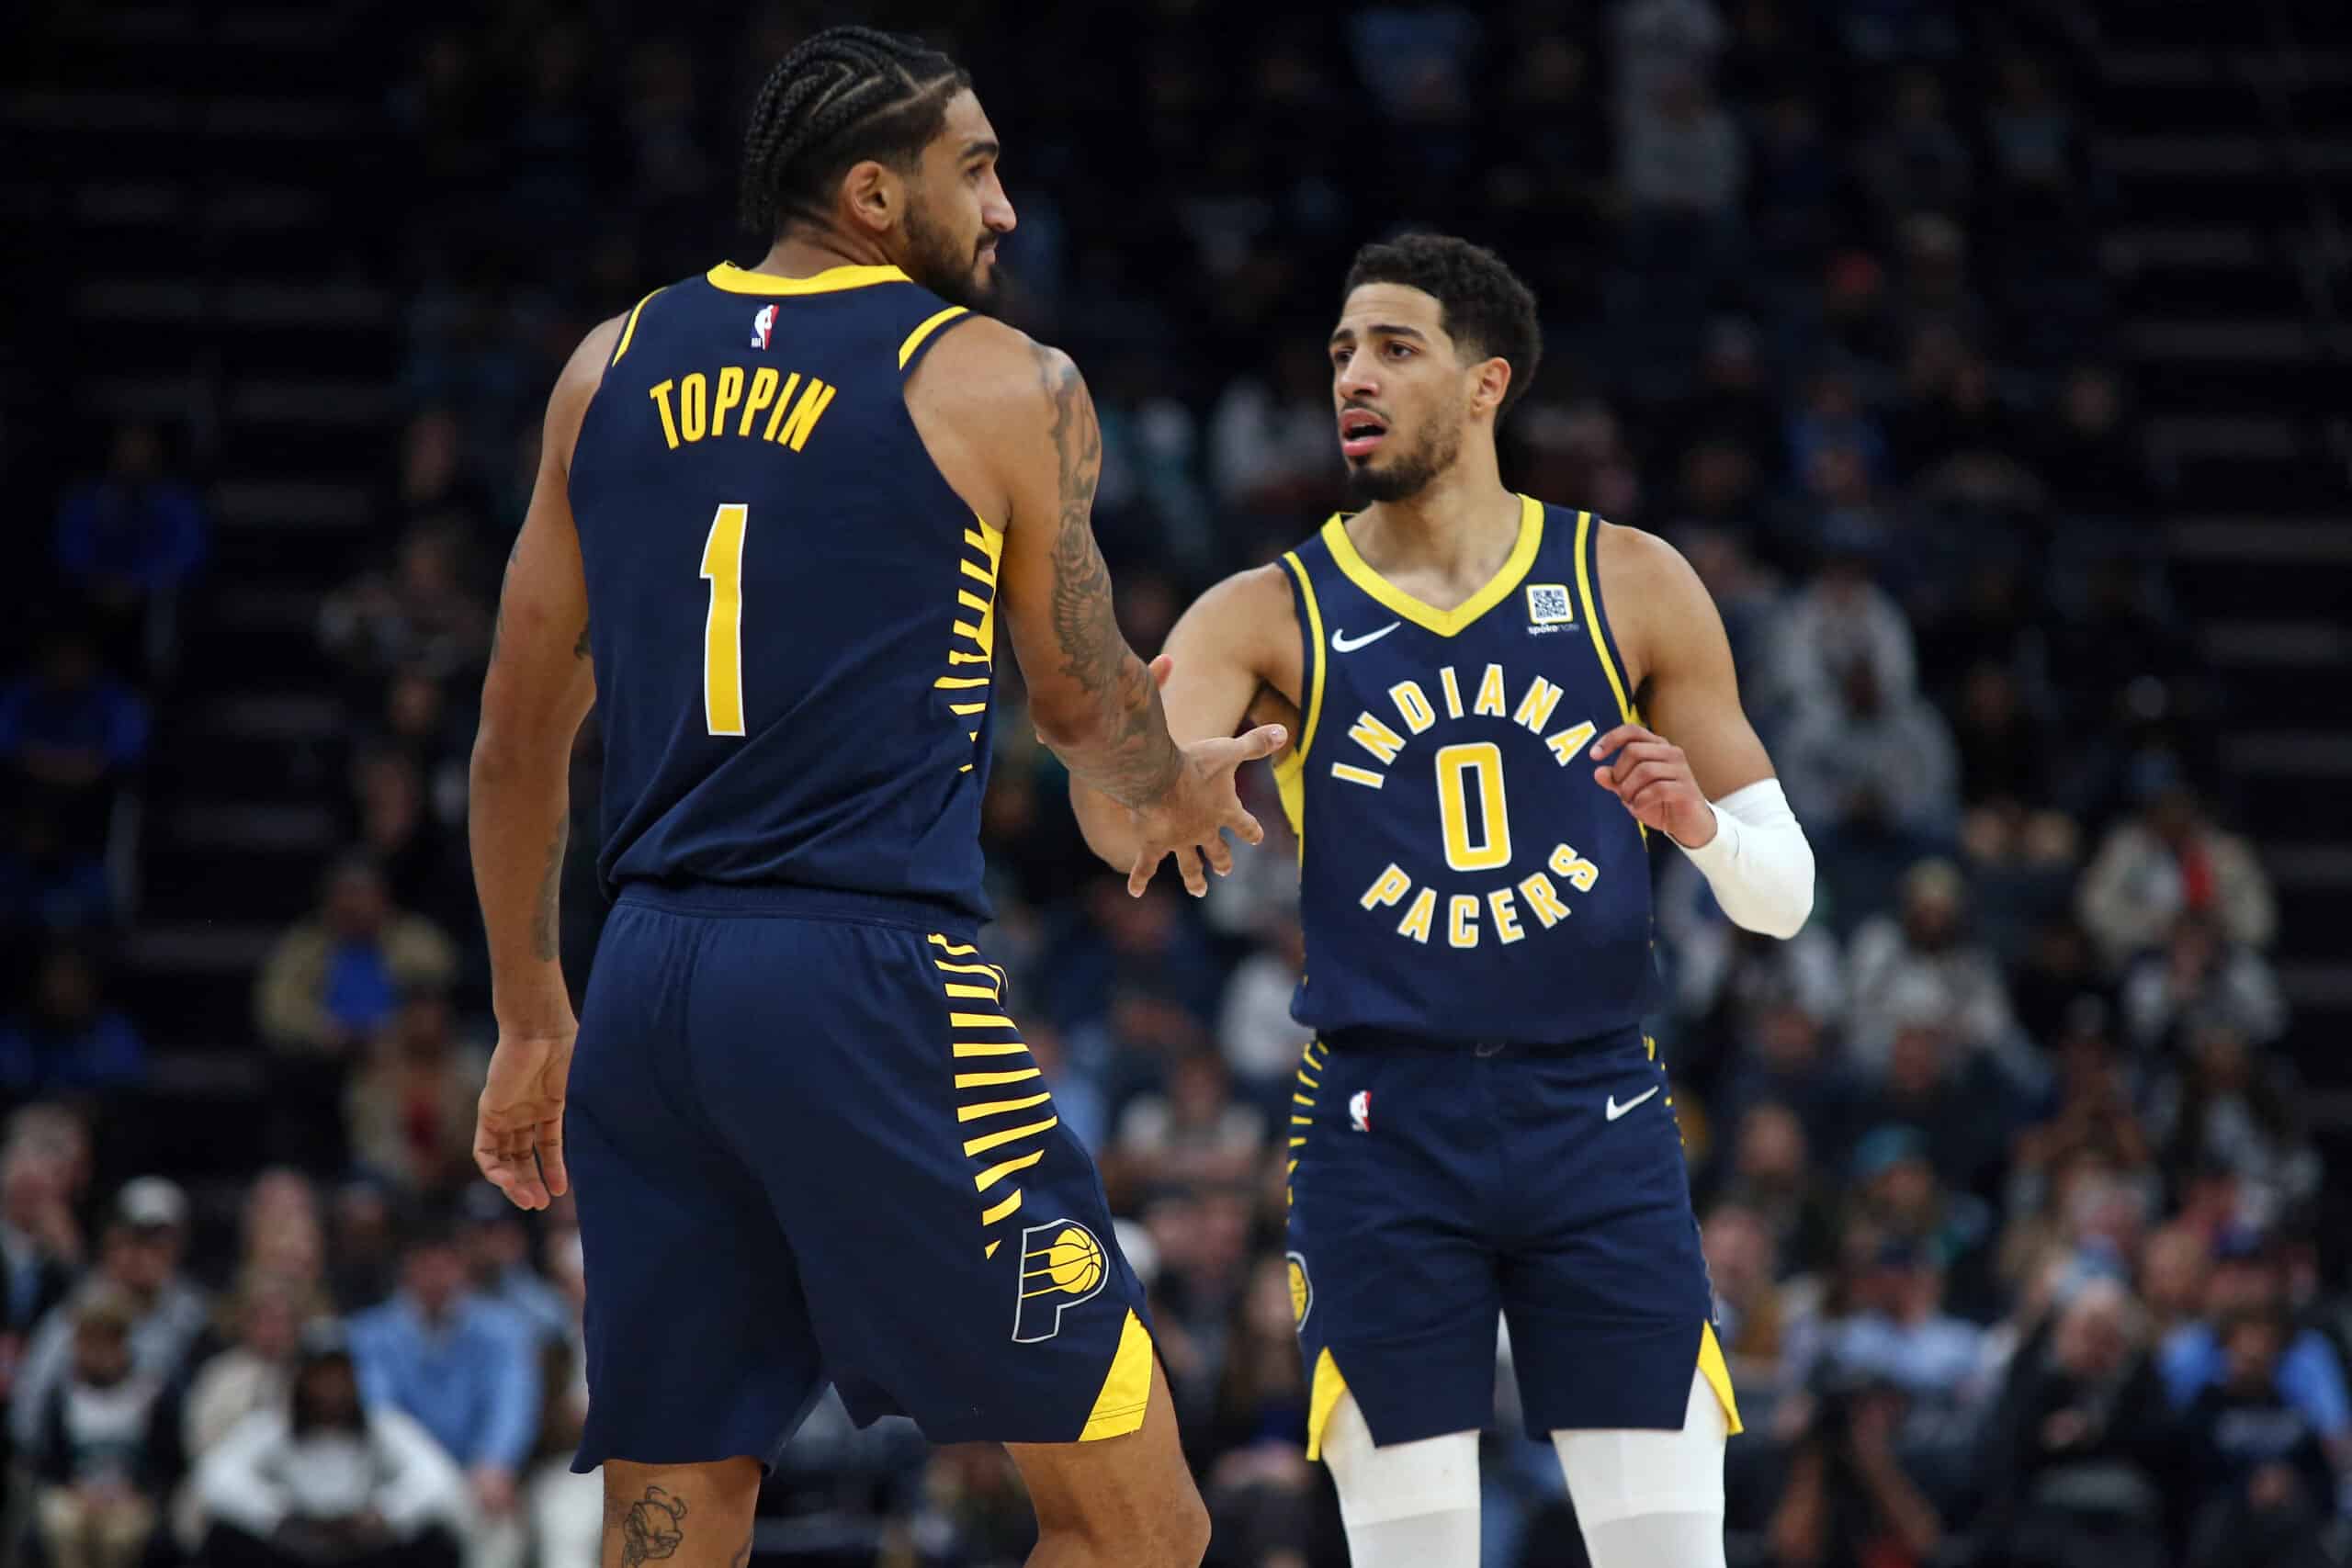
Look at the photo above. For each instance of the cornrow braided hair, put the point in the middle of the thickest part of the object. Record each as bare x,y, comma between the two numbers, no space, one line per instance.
839,96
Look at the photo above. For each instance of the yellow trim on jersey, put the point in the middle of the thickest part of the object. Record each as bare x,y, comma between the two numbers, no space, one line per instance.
1314,640
739,280
1445,622
1592,621
1322,1399
1718,1376
629,331
1289,771
931,325
1126,1387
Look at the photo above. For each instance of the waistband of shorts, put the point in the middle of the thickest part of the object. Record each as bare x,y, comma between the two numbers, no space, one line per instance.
1399,1043
784,901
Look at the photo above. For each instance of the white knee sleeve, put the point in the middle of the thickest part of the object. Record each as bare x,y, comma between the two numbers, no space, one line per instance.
1616,1476
1407,1505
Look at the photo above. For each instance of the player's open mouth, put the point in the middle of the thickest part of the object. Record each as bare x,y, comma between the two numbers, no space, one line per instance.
1360,432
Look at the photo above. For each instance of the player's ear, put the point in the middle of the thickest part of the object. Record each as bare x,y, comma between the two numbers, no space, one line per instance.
873,195
1489,382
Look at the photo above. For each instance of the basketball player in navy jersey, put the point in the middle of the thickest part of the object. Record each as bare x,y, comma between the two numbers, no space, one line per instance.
1495,701
778,514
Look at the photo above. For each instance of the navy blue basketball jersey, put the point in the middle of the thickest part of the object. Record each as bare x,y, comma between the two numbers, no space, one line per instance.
1462,875
791,610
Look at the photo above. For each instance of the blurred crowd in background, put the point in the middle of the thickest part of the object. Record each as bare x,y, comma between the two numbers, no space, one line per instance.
2009,1212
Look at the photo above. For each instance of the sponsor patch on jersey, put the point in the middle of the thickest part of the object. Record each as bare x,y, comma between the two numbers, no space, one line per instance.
1549,607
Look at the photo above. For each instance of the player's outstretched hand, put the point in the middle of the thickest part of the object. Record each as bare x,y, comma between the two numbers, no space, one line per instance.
519,1124
1188,821
1652,777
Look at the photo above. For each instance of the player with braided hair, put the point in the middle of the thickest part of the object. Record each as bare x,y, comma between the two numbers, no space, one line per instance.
778,512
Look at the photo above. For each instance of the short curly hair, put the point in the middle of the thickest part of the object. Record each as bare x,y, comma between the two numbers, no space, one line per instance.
1482,304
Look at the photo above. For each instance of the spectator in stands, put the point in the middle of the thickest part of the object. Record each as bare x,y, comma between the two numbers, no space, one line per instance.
48,884
466,1369
1916,161
135,532
41,1246
394,823
2166,859
2090,456
329,1477
567,1511
102,1447
1840,617
139,1262
1925,948
1269,436
1932,1082
68,1041
1774,1178
1753,1310
267,1314
498,1263
1252,1451
363,1254
1850,1497
2199,980
422,612
2229,1109
282,1234
409,1107
1874,763
1195,1131
2079,1451
2265,1486
330,983
73,735
1897,1193
2306,1371
1260,1039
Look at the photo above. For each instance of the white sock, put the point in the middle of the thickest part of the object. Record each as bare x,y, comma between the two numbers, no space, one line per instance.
1657,1541
1407,1505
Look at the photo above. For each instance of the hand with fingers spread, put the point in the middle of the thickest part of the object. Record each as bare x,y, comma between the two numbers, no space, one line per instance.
1652,779
1188,820
519,1124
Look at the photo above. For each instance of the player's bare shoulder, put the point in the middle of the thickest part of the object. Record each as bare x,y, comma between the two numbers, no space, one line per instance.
1651,594
988,394
1250,619
582,375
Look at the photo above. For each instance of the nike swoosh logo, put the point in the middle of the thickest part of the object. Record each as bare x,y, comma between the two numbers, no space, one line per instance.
1615,1110
1342,643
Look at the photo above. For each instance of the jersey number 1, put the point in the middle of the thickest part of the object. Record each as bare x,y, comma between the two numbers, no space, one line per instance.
722,632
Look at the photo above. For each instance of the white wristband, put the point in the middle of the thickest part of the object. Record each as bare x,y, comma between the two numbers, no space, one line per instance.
1758,863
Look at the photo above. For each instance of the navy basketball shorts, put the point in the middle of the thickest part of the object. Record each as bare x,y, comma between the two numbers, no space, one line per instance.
814,1149
1437,1190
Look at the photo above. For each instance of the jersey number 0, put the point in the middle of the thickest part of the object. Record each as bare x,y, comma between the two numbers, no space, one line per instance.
722,631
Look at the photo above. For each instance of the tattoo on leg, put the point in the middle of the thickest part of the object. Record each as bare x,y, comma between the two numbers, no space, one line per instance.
653,1528
545,929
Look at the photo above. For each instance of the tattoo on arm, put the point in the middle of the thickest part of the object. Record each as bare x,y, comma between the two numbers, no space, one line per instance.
546,930
742,1555
498,616
1136,760
653,1528
580,649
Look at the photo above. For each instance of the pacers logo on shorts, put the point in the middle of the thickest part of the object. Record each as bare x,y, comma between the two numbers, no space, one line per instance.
1302,1290
1062,1265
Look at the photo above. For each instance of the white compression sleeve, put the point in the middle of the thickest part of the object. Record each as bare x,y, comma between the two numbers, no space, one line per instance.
1407,1505
1759,861
1651,1499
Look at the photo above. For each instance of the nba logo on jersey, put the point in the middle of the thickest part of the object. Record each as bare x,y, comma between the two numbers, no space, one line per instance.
1549,608
762,325
1062,1265
1360,1110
